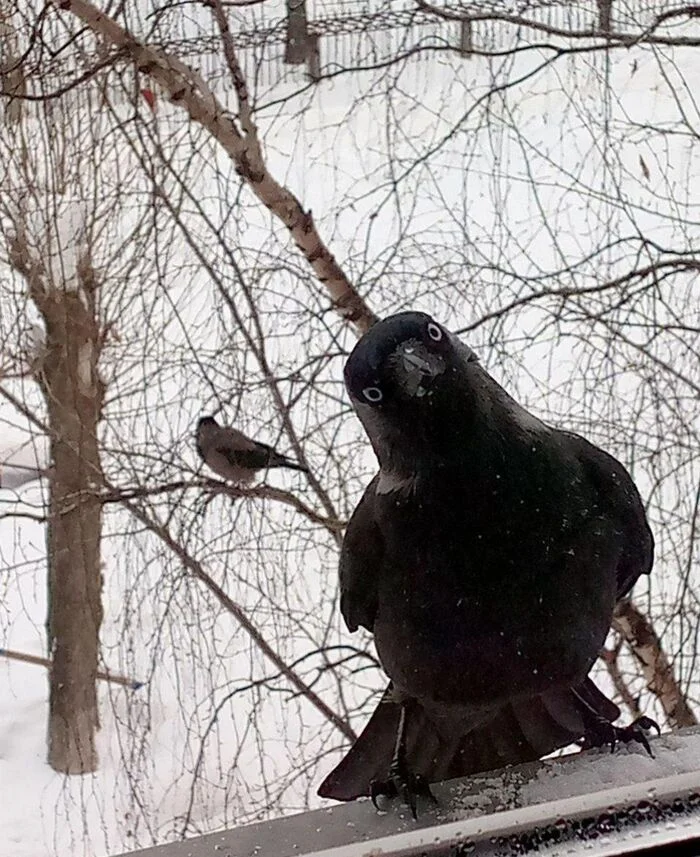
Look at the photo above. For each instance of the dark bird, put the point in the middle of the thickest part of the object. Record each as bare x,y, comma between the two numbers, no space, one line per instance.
234,456
486,557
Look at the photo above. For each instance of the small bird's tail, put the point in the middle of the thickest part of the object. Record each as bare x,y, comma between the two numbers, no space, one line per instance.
279,460
522,731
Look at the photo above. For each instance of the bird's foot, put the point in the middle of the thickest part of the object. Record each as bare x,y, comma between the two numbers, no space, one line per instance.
603,732
404,784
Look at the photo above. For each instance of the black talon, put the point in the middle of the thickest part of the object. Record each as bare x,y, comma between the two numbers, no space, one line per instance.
647,723
381,788
603,732
422,787
636,732
401,782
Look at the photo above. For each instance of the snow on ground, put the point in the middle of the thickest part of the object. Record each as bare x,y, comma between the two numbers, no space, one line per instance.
532,211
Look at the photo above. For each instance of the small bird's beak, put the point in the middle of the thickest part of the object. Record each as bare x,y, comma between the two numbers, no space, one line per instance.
416,367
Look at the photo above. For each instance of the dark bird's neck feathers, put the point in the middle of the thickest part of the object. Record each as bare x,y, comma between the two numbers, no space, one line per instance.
478,431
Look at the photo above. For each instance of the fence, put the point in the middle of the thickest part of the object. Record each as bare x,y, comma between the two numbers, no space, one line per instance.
298,39
329,36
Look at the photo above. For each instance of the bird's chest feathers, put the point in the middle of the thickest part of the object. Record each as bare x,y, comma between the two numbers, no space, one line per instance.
469,519
462,546
457,562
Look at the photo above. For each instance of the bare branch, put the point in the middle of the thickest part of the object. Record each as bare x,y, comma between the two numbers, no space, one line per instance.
606,36
45,662
196,569
187,87
656,668
263,492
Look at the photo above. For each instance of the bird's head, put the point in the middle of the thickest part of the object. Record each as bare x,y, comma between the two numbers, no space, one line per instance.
202,422
206,427
408,378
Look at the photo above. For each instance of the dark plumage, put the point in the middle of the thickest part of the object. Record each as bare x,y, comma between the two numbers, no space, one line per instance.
486,557
235,457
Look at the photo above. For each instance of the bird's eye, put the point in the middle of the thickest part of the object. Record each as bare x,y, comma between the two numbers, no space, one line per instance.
373,394
434,331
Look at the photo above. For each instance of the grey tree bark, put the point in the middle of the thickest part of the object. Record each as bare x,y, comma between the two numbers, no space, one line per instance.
67,372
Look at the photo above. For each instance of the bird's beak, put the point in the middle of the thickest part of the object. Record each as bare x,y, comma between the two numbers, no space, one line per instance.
416,367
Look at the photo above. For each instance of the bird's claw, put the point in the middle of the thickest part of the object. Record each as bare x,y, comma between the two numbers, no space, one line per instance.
404,784
605,732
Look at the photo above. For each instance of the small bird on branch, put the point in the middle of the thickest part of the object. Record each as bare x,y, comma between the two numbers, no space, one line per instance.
234,456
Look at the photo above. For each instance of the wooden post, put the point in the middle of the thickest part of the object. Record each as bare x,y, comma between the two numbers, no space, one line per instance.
313,61
605,16
466,44
297,46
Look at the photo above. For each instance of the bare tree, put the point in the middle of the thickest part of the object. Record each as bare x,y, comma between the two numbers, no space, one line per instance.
69,379
54,213
48,247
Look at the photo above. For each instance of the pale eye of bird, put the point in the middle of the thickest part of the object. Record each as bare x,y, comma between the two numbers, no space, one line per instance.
434,331
373,394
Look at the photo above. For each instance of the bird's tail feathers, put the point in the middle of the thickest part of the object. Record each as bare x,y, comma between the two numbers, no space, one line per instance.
369,757
522,731
279,460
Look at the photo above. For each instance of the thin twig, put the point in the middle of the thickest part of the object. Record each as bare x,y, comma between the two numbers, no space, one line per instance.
132,684
185,86
263,492
610,659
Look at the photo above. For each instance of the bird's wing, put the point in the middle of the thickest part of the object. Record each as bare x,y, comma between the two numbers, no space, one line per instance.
248,459
620,499
230,436
360,561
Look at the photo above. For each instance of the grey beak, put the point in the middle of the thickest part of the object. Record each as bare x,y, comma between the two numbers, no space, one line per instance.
417,367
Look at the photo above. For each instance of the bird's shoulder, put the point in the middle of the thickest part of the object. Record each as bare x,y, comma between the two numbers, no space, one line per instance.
615,487
360,560
617,497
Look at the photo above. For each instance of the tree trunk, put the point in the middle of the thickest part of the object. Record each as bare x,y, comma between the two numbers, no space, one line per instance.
67,373
74,395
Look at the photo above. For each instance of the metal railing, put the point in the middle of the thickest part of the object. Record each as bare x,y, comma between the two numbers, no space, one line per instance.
588,803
